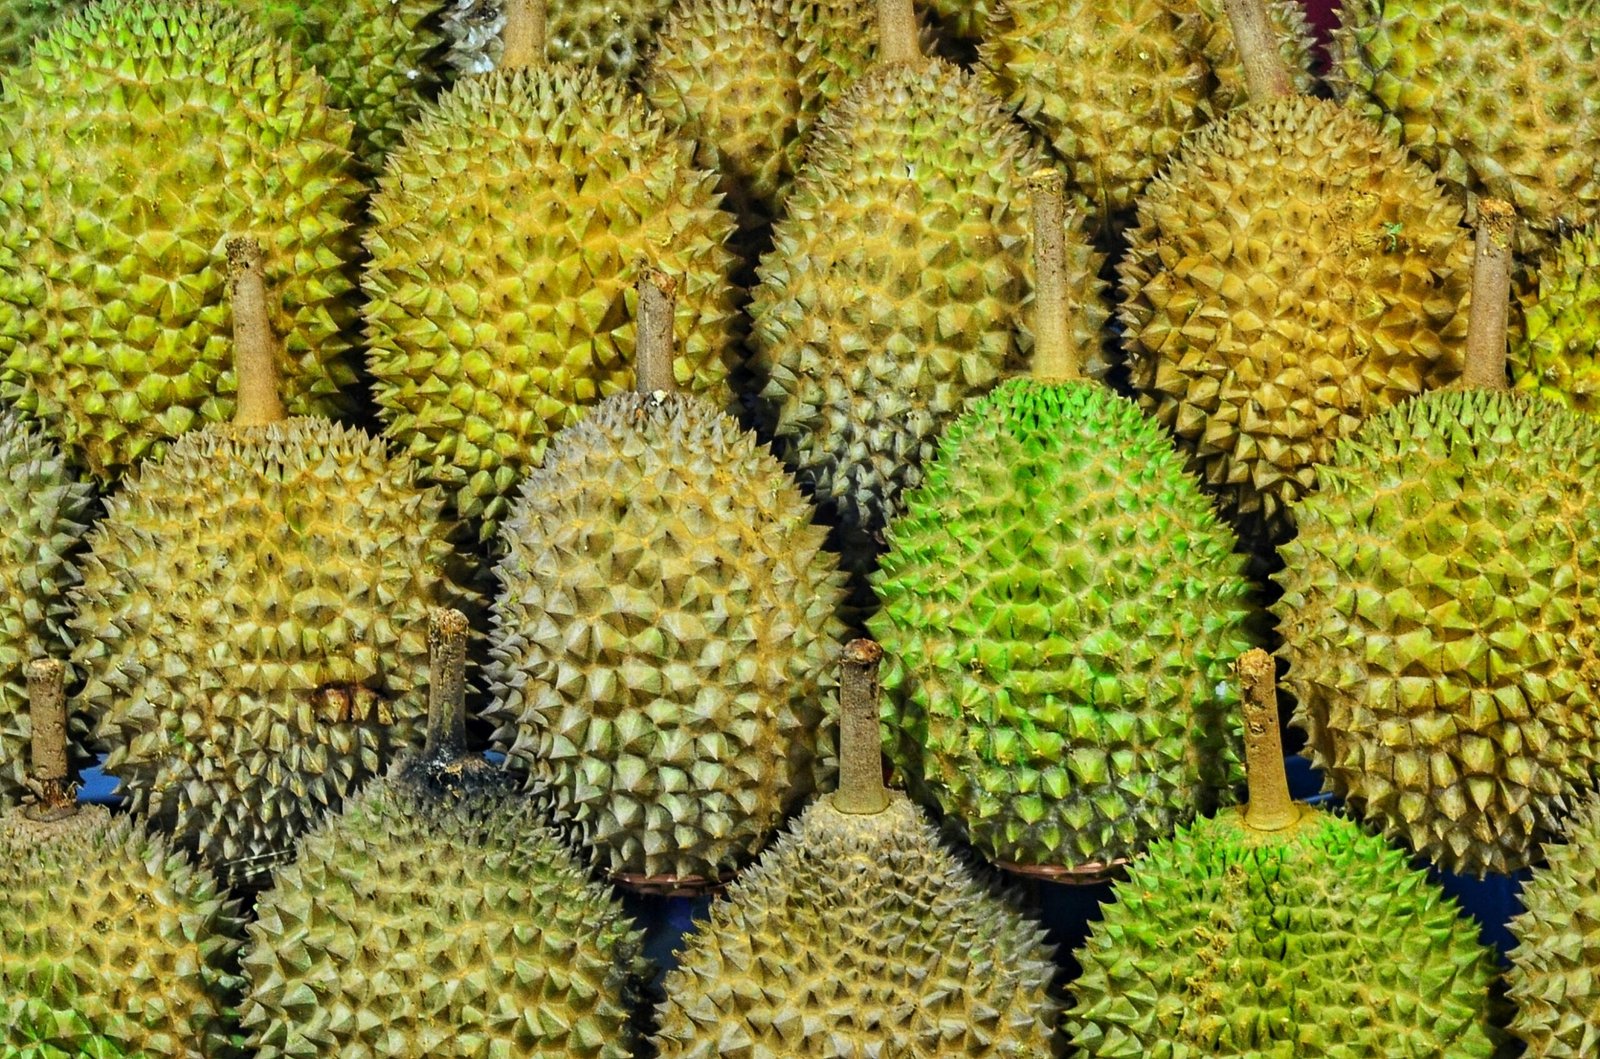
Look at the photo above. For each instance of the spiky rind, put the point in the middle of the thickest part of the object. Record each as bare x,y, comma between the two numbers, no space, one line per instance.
252,628
112,944
44,513
896,286
476,931
113,306
506,240
861,935
1438,619
665,638
1060,608
1556,356
1292,273
23,20
1224,943
609,35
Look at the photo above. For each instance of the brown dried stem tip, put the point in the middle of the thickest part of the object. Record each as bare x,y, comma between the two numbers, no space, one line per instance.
1055,356
255,347
447,685
1269,807
523,38
1491,294
47,709
897,32
861,790
1265,73
652,357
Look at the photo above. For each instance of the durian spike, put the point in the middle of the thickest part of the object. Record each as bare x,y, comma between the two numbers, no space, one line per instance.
47,711
447,686
861,790
652,357
897,33
1491,294
1056,357
523,38
255,347
1265,73
1270,807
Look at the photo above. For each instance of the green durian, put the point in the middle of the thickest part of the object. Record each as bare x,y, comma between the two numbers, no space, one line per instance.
140,134
1555,357
23,20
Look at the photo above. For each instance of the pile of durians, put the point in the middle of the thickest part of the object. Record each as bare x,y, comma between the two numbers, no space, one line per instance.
715,409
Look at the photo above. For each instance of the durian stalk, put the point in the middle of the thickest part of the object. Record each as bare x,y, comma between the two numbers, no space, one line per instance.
447,686
861,790
255,347
897,33
1491,293
652,358
1055,355
523,38
1270,807
47,710
1266,74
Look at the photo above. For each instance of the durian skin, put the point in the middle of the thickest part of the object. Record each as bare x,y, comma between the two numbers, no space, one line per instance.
252,630
609,35
23,20
1438,617
44,512
1521,127
477,935
1115,92
1292,273
896,287
664,639
1060,609
1551,979
505,243
141,135
861,935
112,944
1555,358
1225,943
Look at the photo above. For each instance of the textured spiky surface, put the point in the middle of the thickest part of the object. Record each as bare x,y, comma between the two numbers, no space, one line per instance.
665,638
895,286
861,935
477,934
1519,128
111,944
252,627
1115,88
113,309
1556,358
382,58
1226,943
44,511
506,240
1292,273
609,35
21,21
1438,618
1060,607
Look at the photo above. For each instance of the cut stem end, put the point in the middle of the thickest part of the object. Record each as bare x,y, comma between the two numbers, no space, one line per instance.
255,347
1485,367
47,710
523,38
447,686
1270,807
1055,356
1266,75
897,33
652,364
861,791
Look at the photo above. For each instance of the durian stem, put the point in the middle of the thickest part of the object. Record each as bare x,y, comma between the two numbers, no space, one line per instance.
652,357
1055,356
1270,807
47,710
861,790
1491,294
897,33
255,347
523,38
447,685
1266,75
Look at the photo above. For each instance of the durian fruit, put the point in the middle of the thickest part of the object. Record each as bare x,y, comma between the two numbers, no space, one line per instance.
665,633
111,942
1291,273
895,281
23,20
1277,930
1440,602
1555,357
138,135
44,513
609,36
1115,88
250,622
1061,605
1494,96
438,917
859,934
507,234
